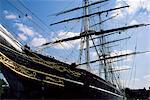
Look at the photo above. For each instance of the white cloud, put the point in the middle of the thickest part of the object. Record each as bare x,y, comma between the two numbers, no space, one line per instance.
147,81
135,5
22,37
62,34
65,45
38,41
134,83
147,77
94,55
116,53
29,17
137,83
133,22
9,15
26,29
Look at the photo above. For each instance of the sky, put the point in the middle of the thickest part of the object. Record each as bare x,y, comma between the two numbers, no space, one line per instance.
29,22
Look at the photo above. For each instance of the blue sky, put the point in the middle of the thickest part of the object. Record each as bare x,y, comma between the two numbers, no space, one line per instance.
33,28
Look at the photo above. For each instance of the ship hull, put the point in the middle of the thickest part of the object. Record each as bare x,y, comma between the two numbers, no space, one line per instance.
26,81
21,87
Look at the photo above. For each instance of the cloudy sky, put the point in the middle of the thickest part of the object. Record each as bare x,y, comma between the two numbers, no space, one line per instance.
29,22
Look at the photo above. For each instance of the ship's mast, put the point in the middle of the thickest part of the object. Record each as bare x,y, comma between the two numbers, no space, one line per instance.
102,49
87,33
86,28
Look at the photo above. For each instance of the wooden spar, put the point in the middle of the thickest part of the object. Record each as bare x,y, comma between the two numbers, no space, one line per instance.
88,15
107,62
104,35
117,56
116,70
104,21
115,61
111,46
77,8
110,42
97,33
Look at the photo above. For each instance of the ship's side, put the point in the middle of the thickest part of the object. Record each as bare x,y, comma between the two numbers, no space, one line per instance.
31,75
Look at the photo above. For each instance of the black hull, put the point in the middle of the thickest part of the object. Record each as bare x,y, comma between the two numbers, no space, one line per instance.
26,81
27,89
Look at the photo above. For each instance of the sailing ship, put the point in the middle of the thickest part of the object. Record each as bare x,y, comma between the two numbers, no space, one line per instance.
33,75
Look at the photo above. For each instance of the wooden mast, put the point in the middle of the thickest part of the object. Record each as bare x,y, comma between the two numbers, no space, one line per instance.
86,28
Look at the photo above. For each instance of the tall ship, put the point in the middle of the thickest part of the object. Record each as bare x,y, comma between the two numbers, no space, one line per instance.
33,75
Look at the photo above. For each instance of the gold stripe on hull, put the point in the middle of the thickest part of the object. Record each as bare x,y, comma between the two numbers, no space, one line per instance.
30,73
